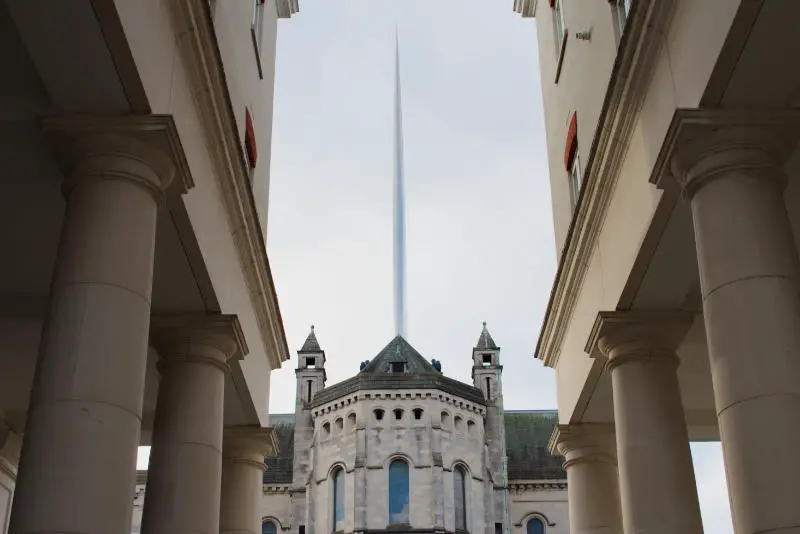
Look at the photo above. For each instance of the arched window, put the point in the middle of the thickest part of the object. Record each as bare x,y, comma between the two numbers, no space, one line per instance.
535,526
338,499
460,497
268,527
398,493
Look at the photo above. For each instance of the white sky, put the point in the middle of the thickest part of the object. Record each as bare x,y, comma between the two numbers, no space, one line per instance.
479,229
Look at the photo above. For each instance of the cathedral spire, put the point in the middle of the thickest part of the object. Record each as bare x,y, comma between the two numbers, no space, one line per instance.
486,341
399,205
311,344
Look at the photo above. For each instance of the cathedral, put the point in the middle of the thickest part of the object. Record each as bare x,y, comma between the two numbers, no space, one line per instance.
402,448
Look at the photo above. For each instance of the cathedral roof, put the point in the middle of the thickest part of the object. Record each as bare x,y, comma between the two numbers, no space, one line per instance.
527,437
279,468
416,373
486,341
311,344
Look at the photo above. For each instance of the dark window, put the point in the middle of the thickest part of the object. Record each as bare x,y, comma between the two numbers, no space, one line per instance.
498,528
487,359
379,414
308,390
338,500
535,526
302,529
460,498
417,413
488,388
268,527
398,493
398,367
398,413
327,428
311,362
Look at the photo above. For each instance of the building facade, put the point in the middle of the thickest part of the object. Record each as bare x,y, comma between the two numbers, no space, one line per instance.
672,133
401,447
138,304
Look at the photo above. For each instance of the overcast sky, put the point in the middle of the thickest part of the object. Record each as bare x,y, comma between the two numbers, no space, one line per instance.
480,240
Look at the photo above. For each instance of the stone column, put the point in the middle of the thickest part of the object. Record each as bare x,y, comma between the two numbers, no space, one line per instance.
243,469
590,459
749,279
658,492
78,462
184,476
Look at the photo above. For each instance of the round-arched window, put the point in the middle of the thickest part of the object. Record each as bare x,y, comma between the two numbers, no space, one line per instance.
535,526
268,527
460,498
398,493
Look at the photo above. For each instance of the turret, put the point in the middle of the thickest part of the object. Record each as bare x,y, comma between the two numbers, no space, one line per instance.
310,371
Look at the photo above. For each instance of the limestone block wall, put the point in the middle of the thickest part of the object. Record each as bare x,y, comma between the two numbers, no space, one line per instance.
432,431
276,506
546,500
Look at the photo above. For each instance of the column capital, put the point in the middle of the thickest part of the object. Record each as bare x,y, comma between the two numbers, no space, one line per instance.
702,145
249,445
209,338
584,443
143,148
621,336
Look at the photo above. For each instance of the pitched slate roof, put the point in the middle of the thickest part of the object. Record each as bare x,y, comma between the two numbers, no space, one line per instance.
527,436
418,374
311,344
279,469
486,341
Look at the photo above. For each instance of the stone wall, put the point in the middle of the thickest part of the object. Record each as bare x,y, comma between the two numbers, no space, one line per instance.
546,500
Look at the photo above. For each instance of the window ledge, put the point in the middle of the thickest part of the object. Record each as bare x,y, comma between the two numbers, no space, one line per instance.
254,35
561,52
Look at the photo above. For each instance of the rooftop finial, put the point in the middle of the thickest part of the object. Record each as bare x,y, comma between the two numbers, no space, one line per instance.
399,204
311,344
485,341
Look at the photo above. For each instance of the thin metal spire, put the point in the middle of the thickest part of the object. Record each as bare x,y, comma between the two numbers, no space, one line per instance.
399,204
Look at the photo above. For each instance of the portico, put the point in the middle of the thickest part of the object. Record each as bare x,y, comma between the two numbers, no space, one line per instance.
673,316
138,305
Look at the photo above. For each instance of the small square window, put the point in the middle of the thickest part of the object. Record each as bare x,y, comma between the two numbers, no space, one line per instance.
398,414
417,413
398,367
311,363
487,359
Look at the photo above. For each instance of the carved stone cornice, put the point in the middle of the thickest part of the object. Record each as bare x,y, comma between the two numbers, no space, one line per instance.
584,443
626,335
703,144
249,444
526,8
101,144
537,485
212,338
629,83
197,44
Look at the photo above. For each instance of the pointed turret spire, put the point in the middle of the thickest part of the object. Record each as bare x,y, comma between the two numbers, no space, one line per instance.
311,344
486,341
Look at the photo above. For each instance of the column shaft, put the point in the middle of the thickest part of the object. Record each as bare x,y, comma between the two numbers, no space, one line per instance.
78,461
657,485
749,278
592,481
184,476
243,478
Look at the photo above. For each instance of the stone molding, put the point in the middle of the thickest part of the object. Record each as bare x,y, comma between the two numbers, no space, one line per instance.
584,443
536,485
197,337
372,395
703,144
622,336
197,43
249,444
142,148
629,82
526,8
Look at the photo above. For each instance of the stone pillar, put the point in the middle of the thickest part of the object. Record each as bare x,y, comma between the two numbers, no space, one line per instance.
360,468
658,492
749,279
243,469
184,476
78,462
590,459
